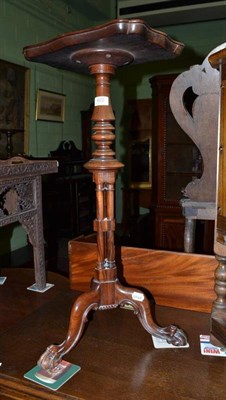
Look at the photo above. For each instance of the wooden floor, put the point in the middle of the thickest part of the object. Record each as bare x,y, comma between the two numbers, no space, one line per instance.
116,355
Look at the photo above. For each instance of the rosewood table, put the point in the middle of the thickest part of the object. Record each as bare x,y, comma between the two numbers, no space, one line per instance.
21,201
100,51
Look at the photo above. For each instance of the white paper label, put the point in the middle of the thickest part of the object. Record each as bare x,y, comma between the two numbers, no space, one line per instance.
2,279
101,101
208,349
163,344
137,296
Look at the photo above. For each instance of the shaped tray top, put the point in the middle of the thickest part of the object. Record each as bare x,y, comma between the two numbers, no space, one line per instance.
119,42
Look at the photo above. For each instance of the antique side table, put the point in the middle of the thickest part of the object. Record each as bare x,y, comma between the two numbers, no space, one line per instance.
99,51
21,200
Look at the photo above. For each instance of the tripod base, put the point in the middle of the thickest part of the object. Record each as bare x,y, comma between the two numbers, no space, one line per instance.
93,300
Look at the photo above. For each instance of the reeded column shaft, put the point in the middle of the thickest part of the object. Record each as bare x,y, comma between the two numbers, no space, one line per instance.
104,166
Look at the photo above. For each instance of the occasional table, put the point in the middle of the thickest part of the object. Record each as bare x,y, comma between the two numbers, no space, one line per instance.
21,201
100,51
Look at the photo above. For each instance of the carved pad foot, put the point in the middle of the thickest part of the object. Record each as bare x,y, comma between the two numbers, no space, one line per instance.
52,357
172,334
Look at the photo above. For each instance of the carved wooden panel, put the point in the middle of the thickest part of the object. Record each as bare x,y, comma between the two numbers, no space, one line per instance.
21,200
200,123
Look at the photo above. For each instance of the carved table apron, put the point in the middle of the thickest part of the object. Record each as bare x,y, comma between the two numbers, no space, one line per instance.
21,200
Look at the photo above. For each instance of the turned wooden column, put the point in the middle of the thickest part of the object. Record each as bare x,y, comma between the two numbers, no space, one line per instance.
220,285
104,166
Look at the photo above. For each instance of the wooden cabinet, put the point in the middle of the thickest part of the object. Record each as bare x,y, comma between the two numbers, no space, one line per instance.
139,149
75,205
68,211
175,162
86,125
135,224
137,190
69,196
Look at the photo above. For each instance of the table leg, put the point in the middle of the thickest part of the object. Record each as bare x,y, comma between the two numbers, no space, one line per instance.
108,293
189,235
34,228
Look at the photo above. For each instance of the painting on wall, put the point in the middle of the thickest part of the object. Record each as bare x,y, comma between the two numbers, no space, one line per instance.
50,106
14,113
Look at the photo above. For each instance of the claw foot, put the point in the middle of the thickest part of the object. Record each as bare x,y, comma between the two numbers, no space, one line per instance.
177,337
51,358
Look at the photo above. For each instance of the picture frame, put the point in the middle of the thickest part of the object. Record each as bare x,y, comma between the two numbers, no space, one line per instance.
14,109
50,106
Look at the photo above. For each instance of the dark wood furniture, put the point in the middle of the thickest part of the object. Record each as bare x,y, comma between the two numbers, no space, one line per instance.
9,139
137,174
174,279
116,361
200,123
218,316
74,195
174,157
21,201
135,224
69,205
86,124
139,148
100,51
77,205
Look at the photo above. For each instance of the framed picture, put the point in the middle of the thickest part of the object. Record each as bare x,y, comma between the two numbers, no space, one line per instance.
50,106
14,109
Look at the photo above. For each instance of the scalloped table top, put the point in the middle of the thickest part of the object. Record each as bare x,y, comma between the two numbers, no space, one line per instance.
119,42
